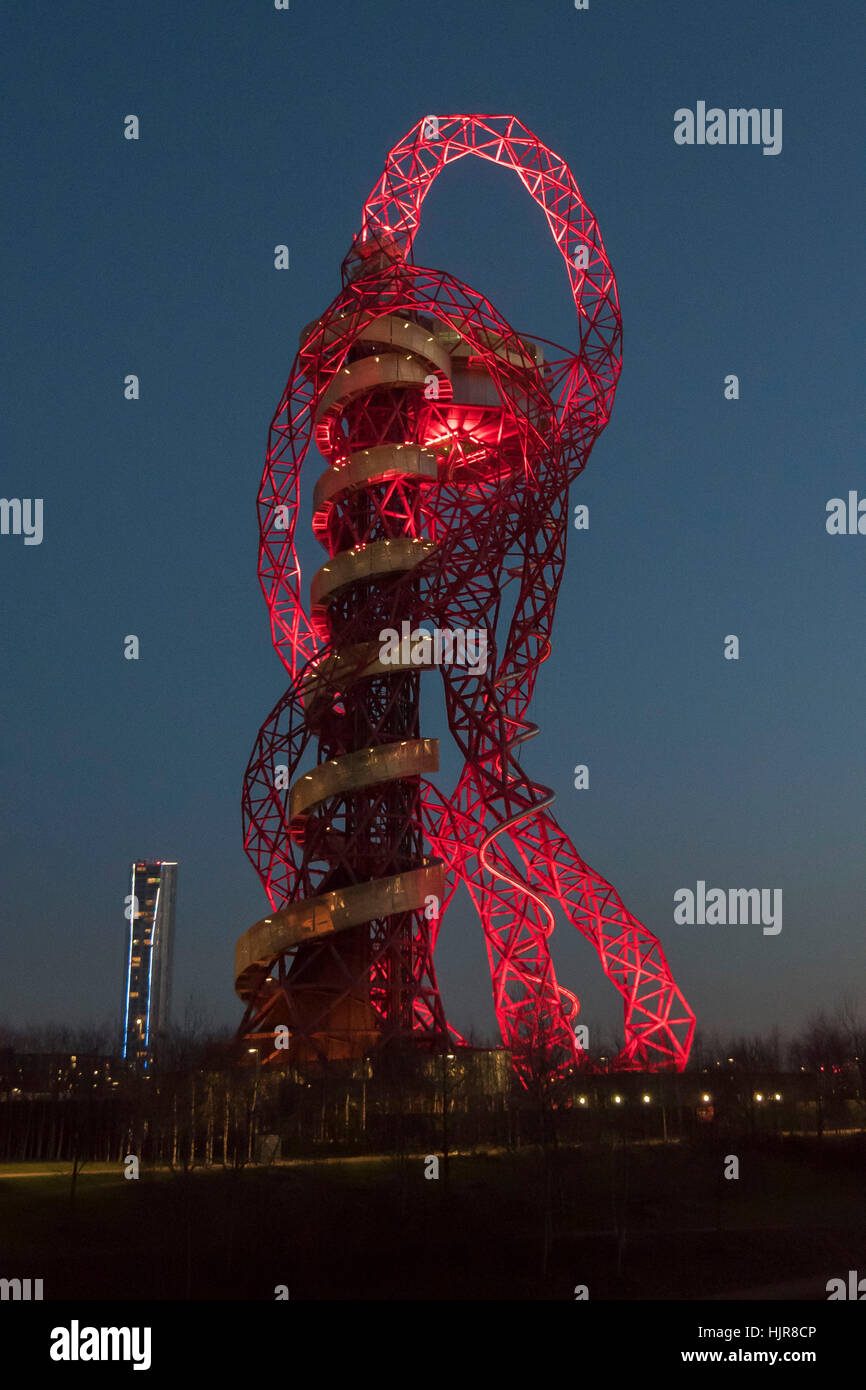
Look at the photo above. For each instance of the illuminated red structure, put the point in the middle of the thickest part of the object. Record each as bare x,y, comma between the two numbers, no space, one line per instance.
451,442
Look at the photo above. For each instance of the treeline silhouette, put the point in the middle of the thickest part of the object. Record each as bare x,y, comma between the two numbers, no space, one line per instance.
66,1097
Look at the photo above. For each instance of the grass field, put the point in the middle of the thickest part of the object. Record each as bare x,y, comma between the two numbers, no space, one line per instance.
645,1221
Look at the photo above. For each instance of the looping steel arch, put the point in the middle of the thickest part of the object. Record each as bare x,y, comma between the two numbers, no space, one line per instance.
392,215
450,444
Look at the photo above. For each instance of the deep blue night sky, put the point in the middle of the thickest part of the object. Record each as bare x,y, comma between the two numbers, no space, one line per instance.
707,516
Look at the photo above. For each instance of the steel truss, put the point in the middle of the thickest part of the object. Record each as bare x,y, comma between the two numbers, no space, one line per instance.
451,442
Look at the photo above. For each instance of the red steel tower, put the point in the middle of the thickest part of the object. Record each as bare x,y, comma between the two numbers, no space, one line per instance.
450,442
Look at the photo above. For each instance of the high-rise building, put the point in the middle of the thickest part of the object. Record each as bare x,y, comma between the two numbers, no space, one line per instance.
148,965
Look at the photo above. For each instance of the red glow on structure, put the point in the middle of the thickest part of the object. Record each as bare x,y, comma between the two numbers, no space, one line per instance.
451,443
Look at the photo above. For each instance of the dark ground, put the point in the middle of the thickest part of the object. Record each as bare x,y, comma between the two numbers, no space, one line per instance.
377,1229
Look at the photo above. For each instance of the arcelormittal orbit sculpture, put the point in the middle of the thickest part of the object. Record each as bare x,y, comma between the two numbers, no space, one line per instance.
450,444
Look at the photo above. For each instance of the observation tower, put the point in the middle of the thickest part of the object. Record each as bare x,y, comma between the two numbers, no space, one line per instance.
449,443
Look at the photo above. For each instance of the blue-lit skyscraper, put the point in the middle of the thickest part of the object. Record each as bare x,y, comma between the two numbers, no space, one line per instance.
148,965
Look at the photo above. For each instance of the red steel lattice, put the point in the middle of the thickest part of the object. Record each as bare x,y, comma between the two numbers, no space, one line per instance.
451,443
